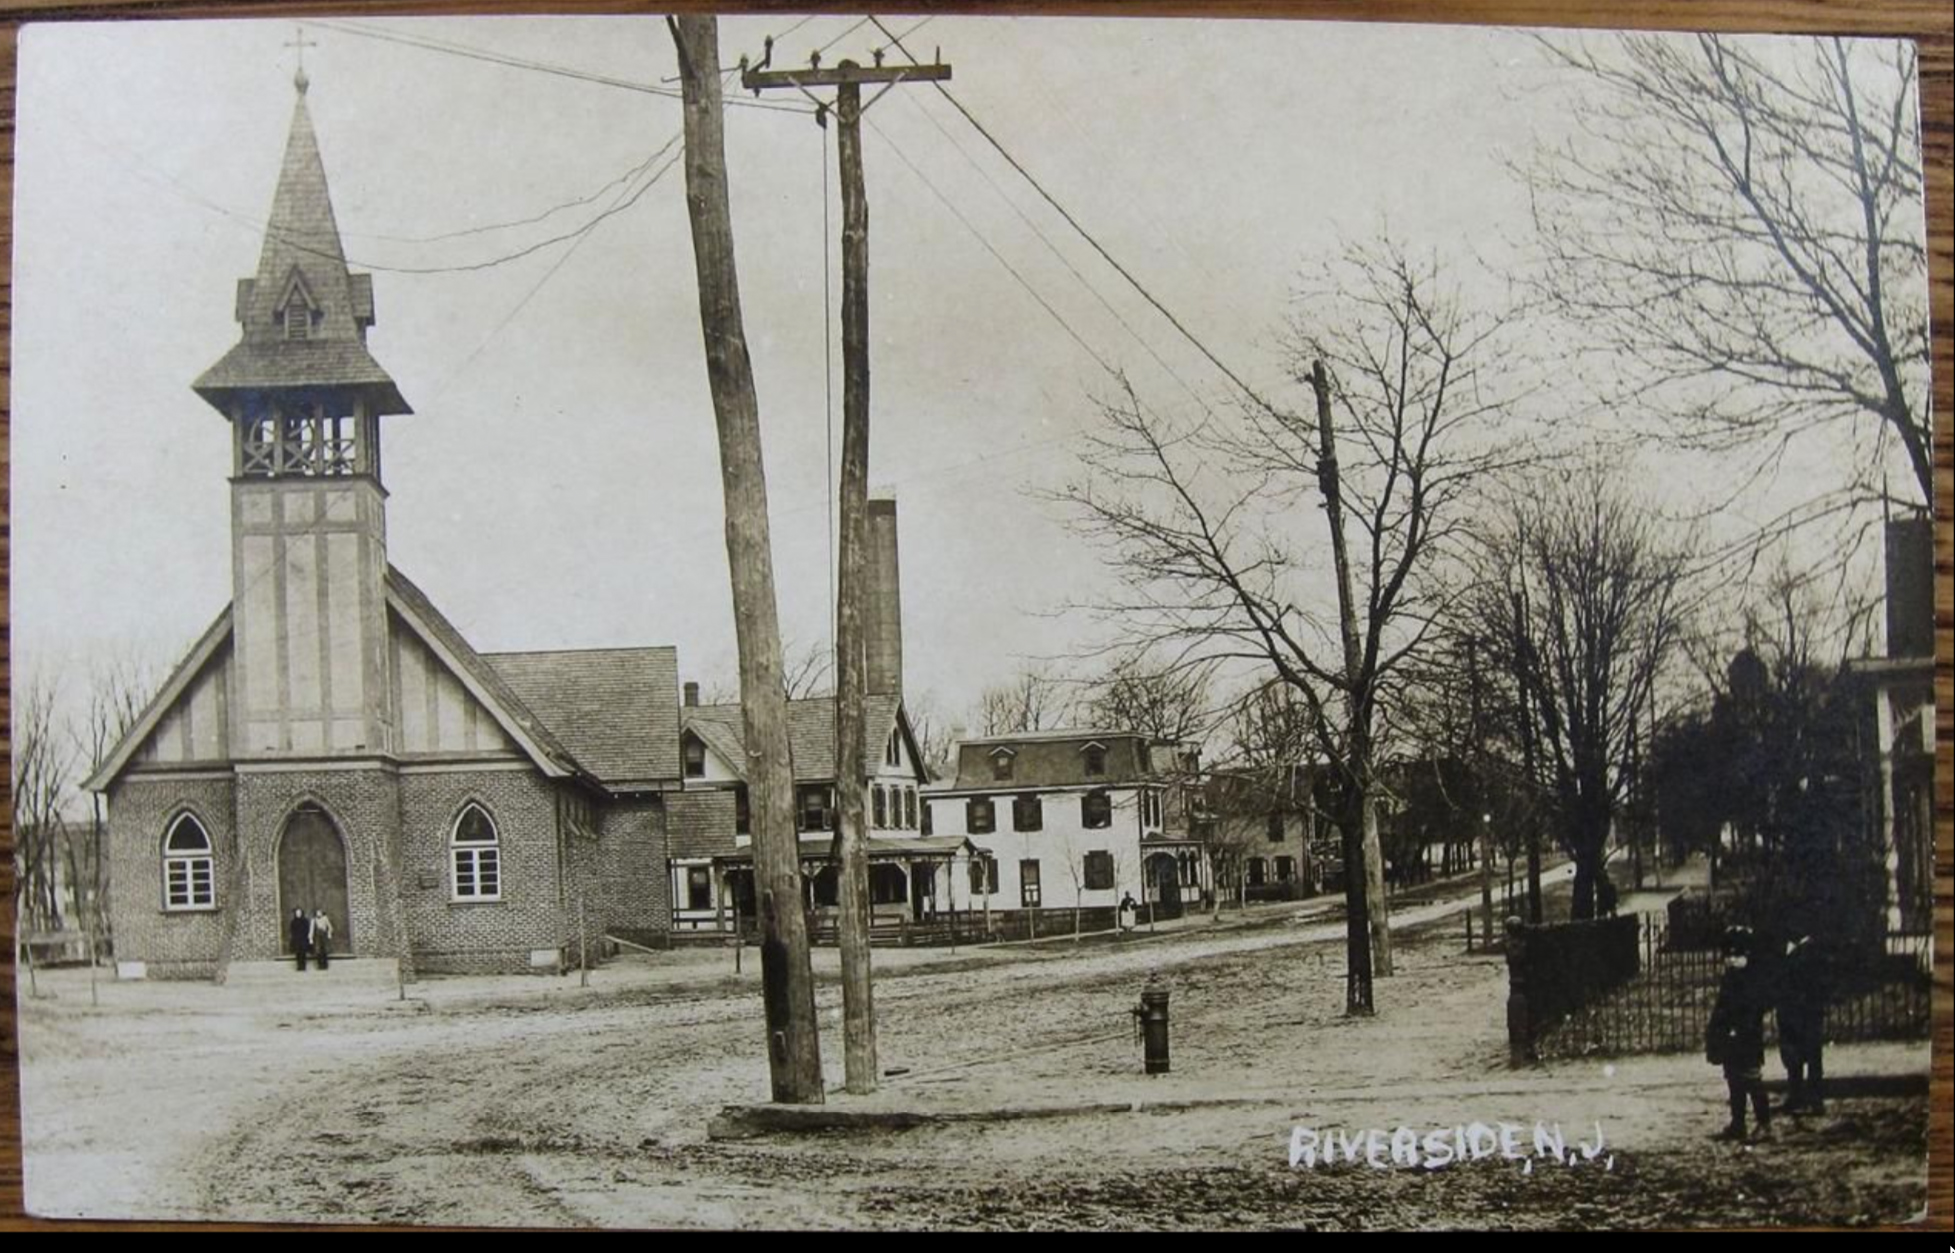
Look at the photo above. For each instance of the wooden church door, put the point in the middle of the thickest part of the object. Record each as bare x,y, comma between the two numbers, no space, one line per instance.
312,876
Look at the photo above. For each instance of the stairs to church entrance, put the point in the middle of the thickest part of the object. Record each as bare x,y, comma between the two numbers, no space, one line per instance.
348,974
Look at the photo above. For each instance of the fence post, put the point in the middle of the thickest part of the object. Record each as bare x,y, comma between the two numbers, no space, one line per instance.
1520,1029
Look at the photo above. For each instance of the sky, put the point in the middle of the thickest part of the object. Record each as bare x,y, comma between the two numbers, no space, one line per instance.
557,485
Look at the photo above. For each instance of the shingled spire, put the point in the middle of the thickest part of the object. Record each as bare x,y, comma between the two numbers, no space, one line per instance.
304,314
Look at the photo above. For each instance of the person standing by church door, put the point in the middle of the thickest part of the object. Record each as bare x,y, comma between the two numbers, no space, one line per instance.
299,930
322,938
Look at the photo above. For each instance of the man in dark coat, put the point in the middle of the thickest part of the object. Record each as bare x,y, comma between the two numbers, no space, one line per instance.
1801,1021
300,932
1736,1037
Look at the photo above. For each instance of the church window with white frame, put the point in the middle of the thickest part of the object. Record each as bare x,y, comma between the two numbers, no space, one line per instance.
189,869
477,854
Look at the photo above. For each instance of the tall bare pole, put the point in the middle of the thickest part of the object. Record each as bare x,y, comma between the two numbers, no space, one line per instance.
858,996
1359,842
1478,738
786,978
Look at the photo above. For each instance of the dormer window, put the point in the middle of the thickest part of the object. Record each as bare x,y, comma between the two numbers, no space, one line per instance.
297,313
695,757
1001,761
1095,758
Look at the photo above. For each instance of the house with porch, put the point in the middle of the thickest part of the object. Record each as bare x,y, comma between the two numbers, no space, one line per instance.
915,879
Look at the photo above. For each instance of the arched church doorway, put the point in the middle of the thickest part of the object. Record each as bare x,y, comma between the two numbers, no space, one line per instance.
312,876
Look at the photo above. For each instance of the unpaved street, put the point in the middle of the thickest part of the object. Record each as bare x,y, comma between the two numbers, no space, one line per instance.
536,1102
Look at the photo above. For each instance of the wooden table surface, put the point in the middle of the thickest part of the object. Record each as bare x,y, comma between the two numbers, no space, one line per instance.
1929,21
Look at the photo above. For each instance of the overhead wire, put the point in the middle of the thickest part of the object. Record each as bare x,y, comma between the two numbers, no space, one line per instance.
452,48
1091,288
1083,233
957,213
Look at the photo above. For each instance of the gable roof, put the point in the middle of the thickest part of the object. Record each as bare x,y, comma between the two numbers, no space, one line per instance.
216,637
607,715
481,679
810,731
616,710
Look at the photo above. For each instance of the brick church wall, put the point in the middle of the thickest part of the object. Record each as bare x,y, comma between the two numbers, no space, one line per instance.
173,945
481,937
632,879
364,805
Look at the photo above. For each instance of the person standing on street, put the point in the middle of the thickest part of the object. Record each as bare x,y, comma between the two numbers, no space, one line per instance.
1735,1038
322,937
1802,1023
299,931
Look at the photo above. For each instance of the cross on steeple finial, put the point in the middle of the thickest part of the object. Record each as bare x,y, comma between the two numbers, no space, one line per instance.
299,79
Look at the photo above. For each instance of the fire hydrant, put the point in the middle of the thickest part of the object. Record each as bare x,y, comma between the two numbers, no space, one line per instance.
1151,1024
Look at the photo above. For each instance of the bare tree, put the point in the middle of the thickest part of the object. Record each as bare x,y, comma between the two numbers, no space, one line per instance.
934,739
1741,226
43,768
1209,522
1032,701
1579,602
1165,701
118,690
809,671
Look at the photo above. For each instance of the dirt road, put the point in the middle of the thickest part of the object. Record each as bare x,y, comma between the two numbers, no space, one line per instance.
506,1103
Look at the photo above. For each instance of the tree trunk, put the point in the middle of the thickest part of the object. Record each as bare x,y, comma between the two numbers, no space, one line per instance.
1377,905
787,980
1363,860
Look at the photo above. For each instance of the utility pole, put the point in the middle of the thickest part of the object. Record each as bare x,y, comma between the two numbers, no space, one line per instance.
848,78
787,979
1360,841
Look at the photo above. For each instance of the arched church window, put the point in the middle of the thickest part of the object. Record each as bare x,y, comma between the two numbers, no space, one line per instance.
477,856
189,869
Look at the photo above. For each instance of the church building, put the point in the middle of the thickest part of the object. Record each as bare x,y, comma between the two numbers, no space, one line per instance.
332,742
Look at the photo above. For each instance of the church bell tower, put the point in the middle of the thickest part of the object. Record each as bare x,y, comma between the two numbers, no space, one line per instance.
305,400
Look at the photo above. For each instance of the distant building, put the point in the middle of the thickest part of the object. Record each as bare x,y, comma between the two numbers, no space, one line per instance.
1262,835
914,878
1077,818
1900,731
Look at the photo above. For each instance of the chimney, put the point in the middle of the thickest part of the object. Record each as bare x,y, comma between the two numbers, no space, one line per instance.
882,617
1910,587
692,696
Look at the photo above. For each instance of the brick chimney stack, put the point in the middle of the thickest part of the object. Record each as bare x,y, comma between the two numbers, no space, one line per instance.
882,616
692,695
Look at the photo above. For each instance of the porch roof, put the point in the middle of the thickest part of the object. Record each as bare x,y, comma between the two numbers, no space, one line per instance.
818,848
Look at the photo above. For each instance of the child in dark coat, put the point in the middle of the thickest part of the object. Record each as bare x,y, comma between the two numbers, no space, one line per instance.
1736,1038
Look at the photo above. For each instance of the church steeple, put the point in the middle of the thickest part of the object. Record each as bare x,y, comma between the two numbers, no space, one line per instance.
304,315
305,401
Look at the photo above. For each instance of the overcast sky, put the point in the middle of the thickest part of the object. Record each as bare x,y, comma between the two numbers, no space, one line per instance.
558,483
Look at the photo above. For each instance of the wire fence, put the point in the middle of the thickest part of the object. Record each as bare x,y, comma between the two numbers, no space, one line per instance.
1665,1007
